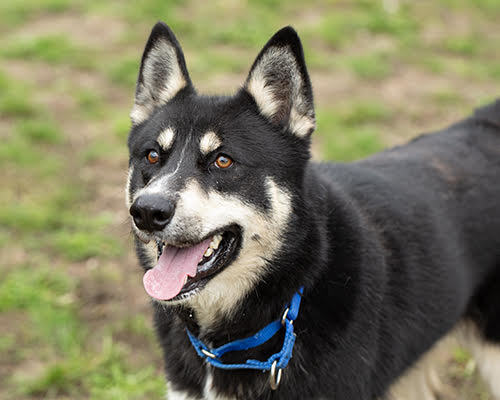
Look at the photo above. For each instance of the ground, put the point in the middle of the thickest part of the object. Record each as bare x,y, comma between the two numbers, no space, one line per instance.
74,319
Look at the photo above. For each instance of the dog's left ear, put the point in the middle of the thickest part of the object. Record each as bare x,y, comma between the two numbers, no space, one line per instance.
163,73
279,83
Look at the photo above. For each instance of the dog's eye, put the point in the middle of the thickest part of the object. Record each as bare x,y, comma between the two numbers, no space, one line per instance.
153,157
223,162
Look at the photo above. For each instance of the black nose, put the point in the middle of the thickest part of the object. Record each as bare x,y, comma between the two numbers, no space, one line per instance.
152,212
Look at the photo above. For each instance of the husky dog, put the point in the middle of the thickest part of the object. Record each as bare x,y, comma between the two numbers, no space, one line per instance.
232,219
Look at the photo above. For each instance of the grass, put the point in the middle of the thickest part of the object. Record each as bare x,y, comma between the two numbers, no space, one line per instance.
69,288
15,99
52,49
81,245
39,131
366,17
103,376
371,66
30,288
463,45
447,97
15,105
121,126
124,72
90,104
351,131
17,12
47,226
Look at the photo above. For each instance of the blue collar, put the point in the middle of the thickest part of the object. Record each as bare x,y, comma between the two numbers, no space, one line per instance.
277,361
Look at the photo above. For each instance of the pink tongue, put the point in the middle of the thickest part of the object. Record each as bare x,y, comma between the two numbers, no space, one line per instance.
166,280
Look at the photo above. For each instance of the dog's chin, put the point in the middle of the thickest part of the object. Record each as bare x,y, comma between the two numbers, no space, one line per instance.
225,252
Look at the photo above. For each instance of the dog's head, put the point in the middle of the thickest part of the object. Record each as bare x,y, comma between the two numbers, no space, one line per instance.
212,180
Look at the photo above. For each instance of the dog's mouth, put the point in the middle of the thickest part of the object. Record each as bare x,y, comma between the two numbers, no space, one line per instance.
183,271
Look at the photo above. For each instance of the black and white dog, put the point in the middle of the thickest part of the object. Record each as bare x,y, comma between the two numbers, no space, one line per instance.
232,219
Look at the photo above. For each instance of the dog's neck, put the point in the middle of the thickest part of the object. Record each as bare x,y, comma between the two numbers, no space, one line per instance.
266,302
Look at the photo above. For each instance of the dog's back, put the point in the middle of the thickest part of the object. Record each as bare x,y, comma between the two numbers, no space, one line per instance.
434,208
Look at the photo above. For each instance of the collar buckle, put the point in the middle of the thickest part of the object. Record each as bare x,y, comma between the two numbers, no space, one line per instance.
208,354
285,314
275,377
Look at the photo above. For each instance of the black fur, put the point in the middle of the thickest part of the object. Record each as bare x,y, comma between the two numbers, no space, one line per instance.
393,250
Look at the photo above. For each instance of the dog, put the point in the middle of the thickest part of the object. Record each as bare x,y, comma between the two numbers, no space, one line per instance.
358,269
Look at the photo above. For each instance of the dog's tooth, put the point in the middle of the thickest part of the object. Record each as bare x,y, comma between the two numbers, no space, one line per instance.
214,244
185,280
208,252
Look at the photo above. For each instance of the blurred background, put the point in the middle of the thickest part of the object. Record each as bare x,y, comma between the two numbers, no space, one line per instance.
74,319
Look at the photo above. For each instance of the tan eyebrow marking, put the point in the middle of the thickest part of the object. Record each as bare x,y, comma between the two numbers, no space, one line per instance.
166,138
209,142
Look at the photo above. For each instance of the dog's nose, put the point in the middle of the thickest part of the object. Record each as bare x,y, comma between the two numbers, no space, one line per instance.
152,212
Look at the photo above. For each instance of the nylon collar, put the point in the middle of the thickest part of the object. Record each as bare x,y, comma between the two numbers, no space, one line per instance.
276,361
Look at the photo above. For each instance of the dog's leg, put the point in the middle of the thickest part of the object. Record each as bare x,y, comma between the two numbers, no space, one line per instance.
421,382
413,386
486,353
173,394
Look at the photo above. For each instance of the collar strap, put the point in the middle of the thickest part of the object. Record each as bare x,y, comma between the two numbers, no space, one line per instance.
276,361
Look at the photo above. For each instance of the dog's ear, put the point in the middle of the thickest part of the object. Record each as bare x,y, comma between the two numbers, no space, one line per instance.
279,83
163,73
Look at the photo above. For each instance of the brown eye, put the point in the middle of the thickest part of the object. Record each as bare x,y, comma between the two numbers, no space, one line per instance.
223,162
153,157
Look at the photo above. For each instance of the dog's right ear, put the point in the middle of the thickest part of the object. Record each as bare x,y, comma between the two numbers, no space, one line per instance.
163,73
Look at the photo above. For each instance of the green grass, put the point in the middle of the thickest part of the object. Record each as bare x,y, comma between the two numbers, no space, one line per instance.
15,99
29,217
7,342
17,12
52,223
90,104
52,49
4,237
224,60
361,112
366,18
47,294
24,155
40,290
103,375
28,288
81,244
371,66
39,131
98,151
447,97
32,130
124,72
14,104
350,134
121,126
136,325
485,7
463,45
